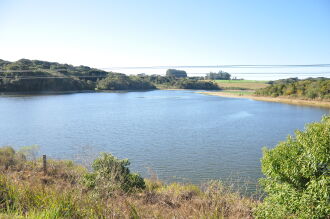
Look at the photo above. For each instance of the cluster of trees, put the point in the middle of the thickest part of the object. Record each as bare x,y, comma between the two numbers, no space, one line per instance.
116,81
311,88
179,83
221,75
196,84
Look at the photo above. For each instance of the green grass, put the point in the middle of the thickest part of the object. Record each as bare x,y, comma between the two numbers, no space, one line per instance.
241,81
241,84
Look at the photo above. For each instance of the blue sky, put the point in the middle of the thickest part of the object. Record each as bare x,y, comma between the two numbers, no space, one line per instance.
172,32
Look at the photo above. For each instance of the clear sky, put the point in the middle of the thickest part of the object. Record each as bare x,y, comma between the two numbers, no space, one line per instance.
170,32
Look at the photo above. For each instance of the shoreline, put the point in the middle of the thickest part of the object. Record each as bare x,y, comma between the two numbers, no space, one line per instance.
314,103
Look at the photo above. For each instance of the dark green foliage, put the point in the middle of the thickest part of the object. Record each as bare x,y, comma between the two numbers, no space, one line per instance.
44,84
176,73
167,81
221,75
196,84
312,88
124,82
298,175
284,81
110,174
35,76
180,83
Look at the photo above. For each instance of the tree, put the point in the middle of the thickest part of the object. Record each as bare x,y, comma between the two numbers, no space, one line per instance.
221,75
298,175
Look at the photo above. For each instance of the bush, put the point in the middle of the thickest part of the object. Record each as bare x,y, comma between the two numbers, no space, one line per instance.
110,174
298,175
9,158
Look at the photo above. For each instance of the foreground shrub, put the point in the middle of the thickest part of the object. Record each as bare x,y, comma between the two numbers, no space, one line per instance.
110,174
114,192
9,158
298,175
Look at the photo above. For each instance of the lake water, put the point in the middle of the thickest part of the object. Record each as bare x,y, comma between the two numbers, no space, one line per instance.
179,135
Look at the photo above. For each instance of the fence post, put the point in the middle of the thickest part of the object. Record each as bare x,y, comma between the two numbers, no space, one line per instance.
44,164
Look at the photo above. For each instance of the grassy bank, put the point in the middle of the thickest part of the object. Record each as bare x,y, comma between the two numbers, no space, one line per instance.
241,84
68,190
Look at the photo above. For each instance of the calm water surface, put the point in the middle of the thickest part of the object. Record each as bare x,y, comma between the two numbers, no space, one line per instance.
179,135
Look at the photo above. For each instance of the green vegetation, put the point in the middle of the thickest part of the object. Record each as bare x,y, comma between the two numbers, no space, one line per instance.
311,88
123,82
34,76
111,174
170,82
40,76
241,84
195,84
298,175
238,81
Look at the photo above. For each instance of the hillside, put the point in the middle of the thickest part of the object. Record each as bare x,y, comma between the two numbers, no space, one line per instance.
33,76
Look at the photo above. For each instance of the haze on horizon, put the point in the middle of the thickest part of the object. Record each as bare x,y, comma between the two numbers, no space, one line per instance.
106,34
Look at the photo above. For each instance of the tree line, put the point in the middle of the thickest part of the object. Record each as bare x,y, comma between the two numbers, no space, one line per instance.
310,88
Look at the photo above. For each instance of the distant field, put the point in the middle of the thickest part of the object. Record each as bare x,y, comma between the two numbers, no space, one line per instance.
241,81
241,84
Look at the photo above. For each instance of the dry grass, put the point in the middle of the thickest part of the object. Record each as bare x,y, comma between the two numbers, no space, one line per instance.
237,84
25,192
